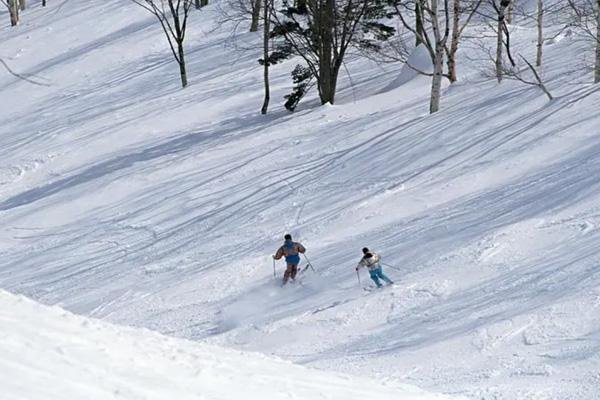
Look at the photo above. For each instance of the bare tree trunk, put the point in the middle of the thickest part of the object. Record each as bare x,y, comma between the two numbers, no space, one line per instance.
438,61
540,33
436,82
499,64
597,63
454,41
43,3
457,30
174,25
418,23
500,43
255,15
326,71
437,46
13,10
181,61
179,37
266,32
509,13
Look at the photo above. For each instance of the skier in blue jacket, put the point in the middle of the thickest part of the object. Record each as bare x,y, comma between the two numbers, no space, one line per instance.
372,260
291,251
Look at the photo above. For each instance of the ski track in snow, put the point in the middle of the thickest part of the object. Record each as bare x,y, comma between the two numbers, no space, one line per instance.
125,198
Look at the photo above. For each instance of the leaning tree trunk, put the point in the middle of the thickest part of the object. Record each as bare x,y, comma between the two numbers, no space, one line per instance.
255,15
540,33
326,81
266,32
597,64
13,10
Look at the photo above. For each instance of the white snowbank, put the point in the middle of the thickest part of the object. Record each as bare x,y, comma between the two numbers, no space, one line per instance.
418,62
47,353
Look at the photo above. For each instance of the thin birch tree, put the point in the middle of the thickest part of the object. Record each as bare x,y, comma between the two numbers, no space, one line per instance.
539,23
173,17
13,10
502,37
587,19
256,6
597,37
434,36
266,36
460,8
555,10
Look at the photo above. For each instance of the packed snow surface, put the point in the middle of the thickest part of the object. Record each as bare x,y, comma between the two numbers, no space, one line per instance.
125,198
49,354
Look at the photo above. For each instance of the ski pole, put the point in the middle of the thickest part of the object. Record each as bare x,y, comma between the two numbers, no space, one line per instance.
274,273
358,276
391,266
309,263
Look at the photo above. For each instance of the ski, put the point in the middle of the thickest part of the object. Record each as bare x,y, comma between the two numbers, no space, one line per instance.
375,288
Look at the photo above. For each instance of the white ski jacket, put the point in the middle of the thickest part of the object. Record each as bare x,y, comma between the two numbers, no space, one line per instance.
371,263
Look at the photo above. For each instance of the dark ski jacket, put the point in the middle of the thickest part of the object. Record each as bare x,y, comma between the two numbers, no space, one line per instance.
291,251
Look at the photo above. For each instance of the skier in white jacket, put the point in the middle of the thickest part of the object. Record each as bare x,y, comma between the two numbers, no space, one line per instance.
371,261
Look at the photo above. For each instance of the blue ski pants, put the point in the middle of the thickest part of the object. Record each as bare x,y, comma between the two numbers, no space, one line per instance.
377,274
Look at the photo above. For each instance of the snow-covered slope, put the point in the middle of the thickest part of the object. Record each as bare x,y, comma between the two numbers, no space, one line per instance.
49,354
126,198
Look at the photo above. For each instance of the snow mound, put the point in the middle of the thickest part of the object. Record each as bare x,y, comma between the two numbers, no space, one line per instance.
48,353
418,61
